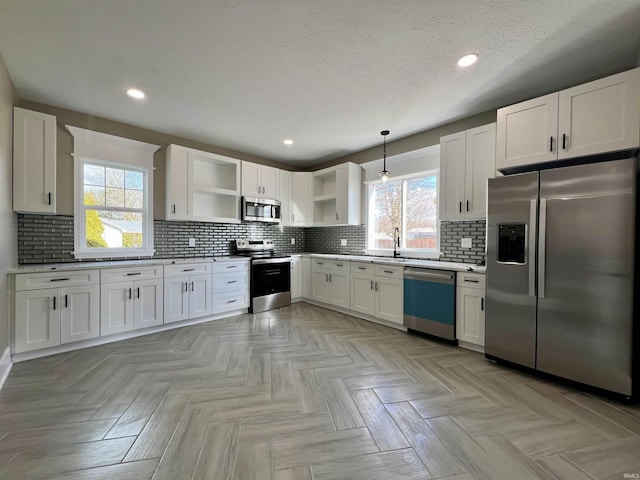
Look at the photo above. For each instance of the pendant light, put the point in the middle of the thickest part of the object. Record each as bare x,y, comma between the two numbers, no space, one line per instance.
384,175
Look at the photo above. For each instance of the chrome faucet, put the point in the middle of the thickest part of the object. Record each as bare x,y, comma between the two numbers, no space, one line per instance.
396,242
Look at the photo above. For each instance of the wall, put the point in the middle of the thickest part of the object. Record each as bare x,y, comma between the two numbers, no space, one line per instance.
49,238
452,232
64,182
8,256
327,239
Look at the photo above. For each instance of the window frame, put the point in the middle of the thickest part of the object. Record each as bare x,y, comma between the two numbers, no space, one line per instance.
405,252
81,251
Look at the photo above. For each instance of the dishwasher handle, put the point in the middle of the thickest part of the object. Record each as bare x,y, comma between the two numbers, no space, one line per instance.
428,275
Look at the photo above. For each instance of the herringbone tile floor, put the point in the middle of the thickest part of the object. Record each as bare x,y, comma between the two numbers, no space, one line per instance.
301,393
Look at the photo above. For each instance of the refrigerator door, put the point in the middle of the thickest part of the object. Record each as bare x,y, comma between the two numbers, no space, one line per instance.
585,273
510,325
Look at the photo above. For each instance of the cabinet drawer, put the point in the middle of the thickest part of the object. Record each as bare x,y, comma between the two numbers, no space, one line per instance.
471,280
230,283
320,264
112,275
223,302
228,267
35,281
187,269
362,267
340,265
393,271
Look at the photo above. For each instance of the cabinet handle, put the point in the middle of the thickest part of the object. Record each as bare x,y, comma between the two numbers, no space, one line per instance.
339,265
258,189
231,301
189,270
192,286
66,301
54,303
329,277
482,304
371,285
232,281
376,286
326,277
551,144
336,215
59,279
388,271
186,286
174,208
471,280
564,141
231,266
130,293
293,217
460,207
133,273
362,268
49,198
263,190
138,292
467,205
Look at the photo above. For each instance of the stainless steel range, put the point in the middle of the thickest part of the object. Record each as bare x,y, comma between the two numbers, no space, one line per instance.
270,274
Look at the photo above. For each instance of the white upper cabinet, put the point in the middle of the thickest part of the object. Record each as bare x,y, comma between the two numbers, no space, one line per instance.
596,117
201,186
301,204
467,160
284,195
337,195
34,162
260,181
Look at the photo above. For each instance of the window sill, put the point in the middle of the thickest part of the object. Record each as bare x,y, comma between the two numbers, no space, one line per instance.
114,253
424,255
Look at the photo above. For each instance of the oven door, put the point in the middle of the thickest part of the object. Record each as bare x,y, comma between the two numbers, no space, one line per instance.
270,276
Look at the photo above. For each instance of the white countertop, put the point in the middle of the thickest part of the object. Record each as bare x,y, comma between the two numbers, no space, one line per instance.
60,267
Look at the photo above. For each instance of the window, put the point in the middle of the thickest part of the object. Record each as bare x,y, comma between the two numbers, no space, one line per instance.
112,215
410,204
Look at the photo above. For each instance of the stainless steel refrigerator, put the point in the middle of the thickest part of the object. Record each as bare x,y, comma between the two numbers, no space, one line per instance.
561,259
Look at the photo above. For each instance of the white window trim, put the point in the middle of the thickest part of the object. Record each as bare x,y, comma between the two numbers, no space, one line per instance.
405,252
80,250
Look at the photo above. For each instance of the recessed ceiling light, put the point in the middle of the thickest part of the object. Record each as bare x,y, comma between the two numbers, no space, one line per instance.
135,93
468,59
288,141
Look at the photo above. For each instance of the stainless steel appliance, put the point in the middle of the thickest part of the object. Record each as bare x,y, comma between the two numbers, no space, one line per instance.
270,285
561,264
261,210
430,302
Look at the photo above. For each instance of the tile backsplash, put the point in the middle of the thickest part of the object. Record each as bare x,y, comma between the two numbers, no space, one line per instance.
49,239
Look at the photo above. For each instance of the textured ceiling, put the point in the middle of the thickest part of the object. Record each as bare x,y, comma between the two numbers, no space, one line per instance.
330,74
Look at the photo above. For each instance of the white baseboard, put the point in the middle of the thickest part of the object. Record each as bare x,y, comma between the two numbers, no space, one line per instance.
5,366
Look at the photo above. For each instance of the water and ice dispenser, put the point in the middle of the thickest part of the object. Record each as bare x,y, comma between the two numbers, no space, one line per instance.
512,243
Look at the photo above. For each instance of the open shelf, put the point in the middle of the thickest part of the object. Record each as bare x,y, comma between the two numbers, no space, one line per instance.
216,206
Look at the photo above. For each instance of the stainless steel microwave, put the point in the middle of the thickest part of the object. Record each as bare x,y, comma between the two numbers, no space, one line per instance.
261,210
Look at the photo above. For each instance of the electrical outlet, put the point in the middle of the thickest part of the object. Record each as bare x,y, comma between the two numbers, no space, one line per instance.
293,241
465,242
343,242
192,242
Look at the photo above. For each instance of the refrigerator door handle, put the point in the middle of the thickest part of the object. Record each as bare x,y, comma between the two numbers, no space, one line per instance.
542,240
533,207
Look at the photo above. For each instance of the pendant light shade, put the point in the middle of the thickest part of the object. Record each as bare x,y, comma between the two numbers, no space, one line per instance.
384,175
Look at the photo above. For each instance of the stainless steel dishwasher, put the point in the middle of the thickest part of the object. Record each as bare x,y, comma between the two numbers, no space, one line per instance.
430,301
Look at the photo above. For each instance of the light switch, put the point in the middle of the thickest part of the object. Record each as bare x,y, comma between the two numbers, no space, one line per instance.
293,241
465,242
192,242
343,242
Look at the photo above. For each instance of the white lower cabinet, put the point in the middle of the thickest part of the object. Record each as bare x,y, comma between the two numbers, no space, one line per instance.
305,283
187,297
230,286
296,277
377,290
127,304
470,294
67,311
330,282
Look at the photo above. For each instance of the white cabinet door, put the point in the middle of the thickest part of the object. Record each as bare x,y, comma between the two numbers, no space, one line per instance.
301,183
320,286
269,179
37,320
342,194
452,165
600,116
79,313
296,277
480,165
339,289
306,277
527,132
176,299
362,293
284,195
251,186
177,181
116,308
200,296
34,162
389,299
470,315
148,306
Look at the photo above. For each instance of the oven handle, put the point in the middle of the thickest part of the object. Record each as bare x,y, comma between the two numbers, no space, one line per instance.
265,261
